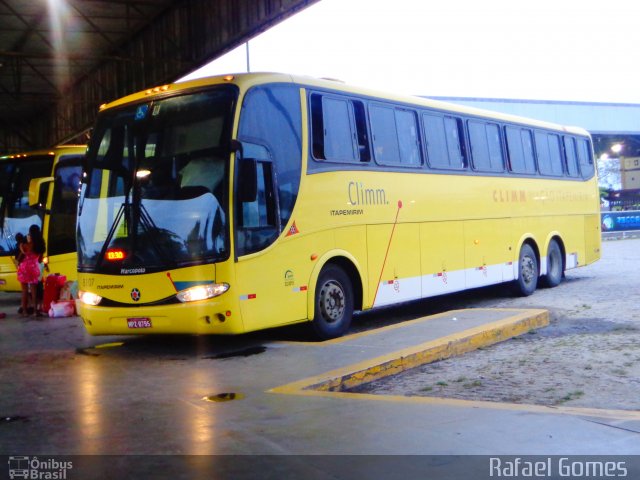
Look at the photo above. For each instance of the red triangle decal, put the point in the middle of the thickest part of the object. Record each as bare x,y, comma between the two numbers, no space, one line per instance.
293,229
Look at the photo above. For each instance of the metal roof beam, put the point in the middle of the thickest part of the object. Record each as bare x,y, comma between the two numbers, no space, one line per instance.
161,41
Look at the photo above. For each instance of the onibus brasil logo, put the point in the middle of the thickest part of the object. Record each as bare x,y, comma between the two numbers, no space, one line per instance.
38,469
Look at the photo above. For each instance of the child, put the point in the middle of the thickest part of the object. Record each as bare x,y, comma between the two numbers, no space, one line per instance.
20,240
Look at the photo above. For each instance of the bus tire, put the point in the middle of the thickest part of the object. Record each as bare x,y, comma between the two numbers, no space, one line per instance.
555,266
527,280
333,303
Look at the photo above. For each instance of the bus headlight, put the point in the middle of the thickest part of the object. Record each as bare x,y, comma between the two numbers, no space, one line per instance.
89,298
202,292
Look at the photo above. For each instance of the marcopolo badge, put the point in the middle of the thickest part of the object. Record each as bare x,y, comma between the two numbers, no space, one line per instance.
135,294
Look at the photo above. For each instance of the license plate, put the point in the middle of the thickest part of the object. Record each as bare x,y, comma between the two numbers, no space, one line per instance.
139,322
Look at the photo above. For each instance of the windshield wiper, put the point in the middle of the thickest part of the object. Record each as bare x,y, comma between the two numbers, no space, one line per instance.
122,211
151,229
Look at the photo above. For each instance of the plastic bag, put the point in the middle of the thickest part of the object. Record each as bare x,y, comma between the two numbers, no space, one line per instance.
64,308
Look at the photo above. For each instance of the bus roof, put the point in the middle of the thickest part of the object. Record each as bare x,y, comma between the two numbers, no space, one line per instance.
60,149
247,80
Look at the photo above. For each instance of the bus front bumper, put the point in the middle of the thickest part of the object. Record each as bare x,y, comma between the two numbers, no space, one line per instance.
9,282
202,317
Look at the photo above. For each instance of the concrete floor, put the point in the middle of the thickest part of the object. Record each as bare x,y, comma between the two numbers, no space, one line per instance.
63,392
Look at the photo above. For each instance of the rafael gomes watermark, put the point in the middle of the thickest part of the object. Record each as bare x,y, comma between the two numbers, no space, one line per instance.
558,466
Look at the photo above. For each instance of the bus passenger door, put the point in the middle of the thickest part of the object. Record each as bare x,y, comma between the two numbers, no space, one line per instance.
60,224
266,275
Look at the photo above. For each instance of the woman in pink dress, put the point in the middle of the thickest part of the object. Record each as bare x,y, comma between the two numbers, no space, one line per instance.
29,268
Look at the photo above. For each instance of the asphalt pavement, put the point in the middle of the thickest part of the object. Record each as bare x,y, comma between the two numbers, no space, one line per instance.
65,393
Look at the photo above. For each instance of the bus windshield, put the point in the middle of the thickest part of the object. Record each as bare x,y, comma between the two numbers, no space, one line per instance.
15,214
156,189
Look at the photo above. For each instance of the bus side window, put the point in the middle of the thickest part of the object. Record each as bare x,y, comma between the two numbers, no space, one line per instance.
338,135
515,151
486,146
455,142
556,155
529,155
570,156
317,127
585,160
257,221
520,150
436,141
549,156
362,135
442,137
258,214
409,137
384,134
339,129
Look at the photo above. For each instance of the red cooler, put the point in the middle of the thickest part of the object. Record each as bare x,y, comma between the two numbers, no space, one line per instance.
52,286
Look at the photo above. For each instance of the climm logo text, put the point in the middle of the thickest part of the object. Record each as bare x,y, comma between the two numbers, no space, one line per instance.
509,196
361,195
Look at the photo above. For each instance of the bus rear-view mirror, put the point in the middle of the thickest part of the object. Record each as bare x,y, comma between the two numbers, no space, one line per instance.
38,189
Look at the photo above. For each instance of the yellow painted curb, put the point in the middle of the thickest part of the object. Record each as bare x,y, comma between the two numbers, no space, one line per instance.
603,413
456,344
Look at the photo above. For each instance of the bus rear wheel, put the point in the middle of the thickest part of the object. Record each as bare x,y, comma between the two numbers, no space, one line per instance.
527,280
333,303
555,266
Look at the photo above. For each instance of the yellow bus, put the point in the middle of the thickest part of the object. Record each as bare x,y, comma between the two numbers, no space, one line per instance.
41,188
243,202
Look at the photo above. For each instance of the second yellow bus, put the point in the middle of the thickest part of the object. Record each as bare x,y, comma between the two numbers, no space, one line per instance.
52,177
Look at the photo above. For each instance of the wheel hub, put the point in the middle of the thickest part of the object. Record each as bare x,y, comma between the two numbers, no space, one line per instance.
332,301
528,269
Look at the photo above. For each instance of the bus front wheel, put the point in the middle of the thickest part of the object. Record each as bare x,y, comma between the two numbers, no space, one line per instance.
555,266
333,303
527,271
